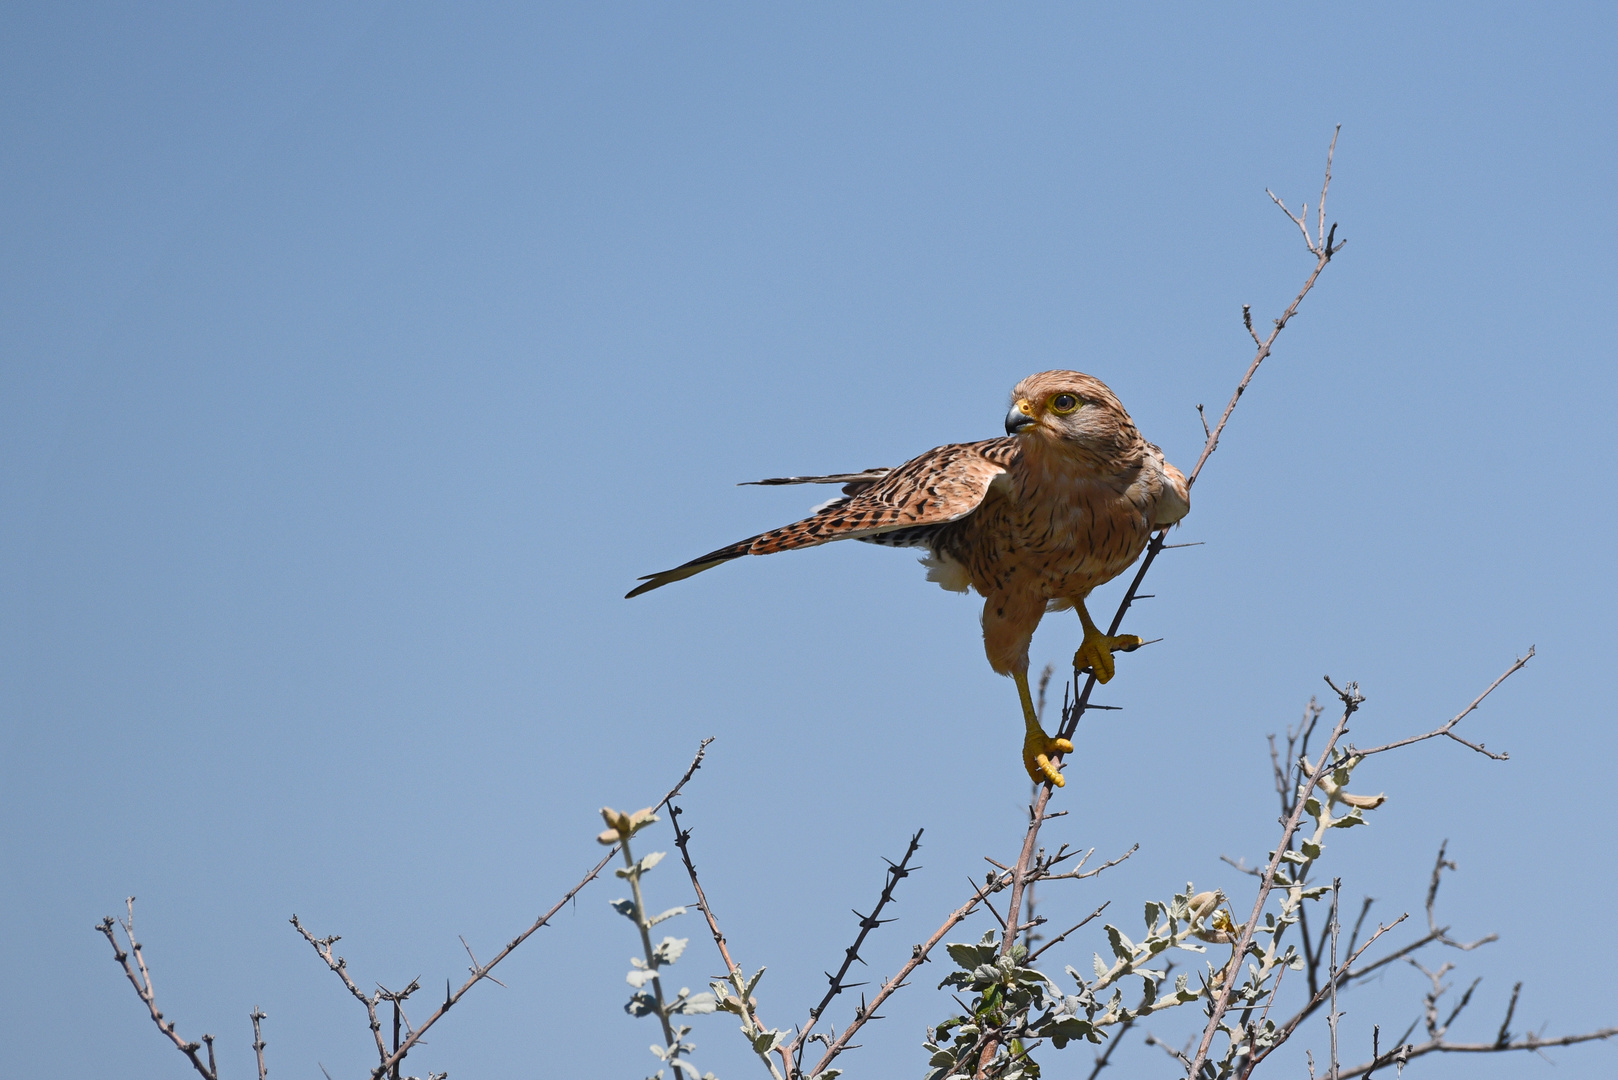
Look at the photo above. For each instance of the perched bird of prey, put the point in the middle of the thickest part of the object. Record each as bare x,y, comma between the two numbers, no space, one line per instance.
1033,522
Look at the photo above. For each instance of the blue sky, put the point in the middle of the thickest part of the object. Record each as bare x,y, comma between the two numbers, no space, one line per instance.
357,359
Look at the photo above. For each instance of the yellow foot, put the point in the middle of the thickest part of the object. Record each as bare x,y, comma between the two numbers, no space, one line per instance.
1037,750
1096,652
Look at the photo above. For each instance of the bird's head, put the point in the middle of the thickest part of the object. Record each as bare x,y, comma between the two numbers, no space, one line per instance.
1068,408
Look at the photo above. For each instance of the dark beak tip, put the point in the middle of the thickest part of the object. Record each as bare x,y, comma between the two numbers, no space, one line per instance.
1017,420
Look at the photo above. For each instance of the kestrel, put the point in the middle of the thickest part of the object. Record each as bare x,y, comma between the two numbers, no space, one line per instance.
1033,522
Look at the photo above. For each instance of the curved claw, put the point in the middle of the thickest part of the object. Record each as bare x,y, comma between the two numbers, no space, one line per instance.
1037,751
1096,652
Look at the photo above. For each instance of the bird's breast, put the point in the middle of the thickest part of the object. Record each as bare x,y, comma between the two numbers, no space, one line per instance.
1053,535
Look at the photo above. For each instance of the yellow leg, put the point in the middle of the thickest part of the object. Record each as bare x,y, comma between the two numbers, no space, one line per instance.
1037,747
1096,652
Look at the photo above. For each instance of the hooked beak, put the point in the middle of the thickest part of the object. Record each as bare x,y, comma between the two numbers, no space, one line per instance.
1021,416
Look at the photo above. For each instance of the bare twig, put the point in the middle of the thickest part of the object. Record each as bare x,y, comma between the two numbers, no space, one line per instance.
1447,728
1336,928
1177,1055
1055,940
1439,1045
481,971
339,967
143,988
1318,998
1077,874
1322,252
691,770
258,1040
733,970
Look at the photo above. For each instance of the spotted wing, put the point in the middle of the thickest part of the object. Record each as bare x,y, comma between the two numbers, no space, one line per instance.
940,486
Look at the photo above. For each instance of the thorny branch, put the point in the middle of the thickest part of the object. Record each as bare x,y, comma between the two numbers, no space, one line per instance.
918,956
733,970
896,872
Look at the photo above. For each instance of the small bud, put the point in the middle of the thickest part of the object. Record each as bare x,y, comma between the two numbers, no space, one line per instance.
623,826
1204,902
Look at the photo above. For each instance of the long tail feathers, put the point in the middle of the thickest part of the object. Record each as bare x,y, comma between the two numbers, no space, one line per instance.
695,566
790,536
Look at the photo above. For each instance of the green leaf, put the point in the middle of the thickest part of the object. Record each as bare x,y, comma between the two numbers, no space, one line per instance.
626,908
1310,849
965,956
1349,820
1153,909
1100,965
669,914
1312,808
1122,947
642,1004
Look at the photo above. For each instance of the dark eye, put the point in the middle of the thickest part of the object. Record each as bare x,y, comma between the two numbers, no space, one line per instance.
1062,404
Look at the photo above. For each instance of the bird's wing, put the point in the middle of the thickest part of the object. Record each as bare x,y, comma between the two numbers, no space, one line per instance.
940,486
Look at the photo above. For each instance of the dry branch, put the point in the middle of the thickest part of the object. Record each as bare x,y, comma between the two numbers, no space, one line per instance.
143,987
479,973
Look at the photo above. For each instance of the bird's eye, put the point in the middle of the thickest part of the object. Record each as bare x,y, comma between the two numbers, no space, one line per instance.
1062,404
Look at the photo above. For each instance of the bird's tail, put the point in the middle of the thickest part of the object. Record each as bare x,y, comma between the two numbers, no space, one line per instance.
828,522
826,525
695,566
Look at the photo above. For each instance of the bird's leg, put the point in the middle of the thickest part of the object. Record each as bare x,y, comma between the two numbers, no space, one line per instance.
1096,651
1037,747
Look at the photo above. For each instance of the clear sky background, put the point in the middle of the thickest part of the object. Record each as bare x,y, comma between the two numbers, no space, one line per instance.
357,359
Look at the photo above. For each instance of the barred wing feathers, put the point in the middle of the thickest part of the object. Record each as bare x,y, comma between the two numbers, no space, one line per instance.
940,486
